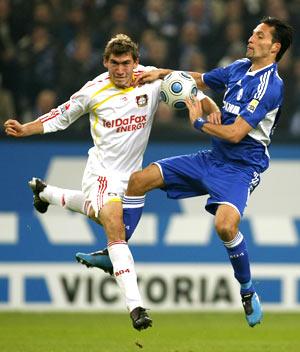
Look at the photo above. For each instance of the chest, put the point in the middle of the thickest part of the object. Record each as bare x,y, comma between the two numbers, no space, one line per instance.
240,89
123,103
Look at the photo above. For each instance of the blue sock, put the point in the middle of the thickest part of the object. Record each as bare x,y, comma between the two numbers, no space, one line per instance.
132,212
238,255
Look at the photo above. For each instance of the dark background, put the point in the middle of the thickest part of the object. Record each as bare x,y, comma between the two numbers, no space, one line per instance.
49,49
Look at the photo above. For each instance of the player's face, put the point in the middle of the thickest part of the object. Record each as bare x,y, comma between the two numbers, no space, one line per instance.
120,69
260,45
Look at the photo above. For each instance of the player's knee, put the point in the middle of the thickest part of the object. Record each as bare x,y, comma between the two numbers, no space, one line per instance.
225,229
136,184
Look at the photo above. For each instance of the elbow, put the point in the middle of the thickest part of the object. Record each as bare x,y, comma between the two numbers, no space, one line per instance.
234,139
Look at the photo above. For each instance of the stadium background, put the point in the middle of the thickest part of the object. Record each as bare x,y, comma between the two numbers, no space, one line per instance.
48,50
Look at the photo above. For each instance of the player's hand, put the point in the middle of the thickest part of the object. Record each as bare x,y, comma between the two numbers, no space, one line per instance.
146,77
14,128
215,118
195,109
150,76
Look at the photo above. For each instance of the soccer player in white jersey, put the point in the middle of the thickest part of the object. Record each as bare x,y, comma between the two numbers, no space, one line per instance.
121,117
230,171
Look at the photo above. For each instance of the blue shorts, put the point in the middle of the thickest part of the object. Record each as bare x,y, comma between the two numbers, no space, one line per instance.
201,173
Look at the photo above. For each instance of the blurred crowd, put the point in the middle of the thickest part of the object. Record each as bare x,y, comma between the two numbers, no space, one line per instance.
50,48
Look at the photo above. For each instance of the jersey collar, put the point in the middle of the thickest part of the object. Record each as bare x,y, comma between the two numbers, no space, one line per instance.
253,73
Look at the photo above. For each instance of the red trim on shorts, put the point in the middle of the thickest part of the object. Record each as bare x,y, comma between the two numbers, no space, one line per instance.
101,189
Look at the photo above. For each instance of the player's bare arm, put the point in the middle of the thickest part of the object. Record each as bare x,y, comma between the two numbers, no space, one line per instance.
211,111
199,81
233,133
16,129
150,76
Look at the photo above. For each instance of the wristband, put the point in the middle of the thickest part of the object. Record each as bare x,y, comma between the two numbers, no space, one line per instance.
199,122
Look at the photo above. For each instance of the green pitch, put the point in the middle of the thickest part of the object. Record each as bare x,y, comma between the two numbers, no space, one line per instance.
178,332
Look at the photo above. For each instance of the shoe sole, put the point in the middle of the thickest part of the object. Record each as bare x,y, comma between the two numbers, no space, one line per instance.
40,205
88,265
145,325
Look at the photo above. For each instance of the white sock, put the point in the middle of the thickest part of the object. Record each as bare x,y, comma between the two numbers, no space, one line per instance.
125,275
67,198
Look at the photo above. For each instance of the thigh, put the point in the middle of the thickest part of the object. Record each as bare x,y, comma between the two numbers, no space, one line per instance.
184,175
143,181
231,185
103,188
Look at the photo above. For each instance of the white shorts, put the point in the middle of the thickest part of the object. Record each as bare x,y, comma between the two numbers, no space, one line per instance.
101,186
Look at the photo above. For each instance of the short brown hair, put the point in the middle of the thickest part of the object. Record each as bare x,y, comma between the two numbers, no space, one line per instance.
121,44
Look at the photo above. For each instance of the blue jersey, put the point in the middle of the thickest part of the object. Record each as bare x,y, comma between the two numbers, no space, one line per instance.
257,97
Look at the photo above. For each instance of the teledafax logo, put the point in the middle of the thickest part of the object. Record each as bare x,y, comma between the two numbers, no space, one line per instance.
127,124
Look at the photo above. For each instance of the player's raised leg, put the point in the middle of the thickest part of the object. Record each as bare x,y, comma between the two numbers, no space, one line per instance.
226,222
45,195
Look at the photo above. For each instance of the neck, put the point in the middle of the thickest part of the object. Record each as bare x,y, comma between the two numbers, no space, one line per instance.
257,65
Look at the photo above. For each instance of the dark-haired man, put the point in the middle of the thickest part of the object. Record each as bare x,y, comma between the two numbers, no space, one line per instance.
230,171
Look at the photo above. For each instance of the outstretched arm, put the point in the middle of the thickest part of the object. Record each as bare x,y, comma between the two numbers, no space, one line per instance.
153,75
199,81
16,129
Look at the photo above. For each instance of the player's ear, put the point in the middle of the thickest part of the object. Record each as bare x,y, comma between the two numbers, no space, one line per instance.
137,61
105,63
275,47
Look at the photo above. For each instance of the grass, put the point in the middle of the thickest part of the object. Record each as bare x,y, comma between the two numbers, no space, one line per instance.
176,332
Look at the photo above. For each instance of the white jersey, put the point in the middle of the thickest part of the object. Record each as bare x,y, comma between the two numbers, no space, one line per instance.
120,120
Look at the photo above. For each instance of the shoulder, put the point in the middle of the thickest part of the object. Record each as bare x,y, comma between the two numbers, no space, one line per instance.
141,69
96,84
240,65
269,86
270,77
91,87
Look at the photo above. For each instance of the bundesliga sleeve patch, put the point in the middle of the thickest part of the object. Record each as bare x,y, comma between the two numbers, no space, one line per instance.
252,105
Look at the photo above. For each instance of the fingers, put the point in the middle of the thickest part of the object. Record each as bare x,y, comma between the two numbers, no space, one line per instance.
138,81
143,78
188,103
194,105
11,132
8,122
195,108
12,128
215,118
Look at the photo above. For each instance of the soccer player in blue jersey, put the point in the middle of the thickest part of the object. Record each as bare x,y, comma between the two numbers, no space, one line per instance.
231,170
